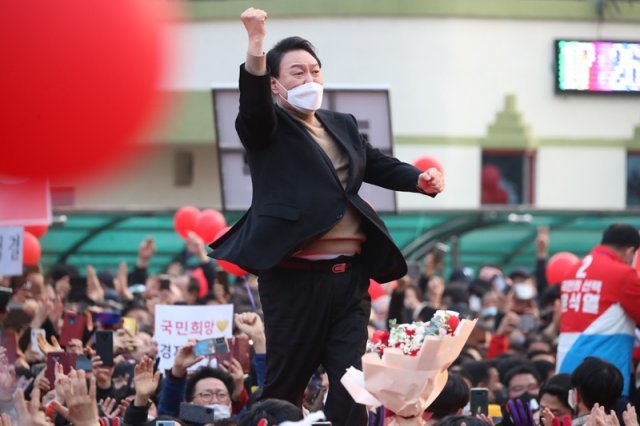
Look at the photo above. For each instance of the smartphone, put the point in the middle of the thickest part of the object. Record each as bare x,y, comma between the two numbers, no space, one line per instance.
240,349
165,423
78,292
107,319
17,318
72,328
66,360
528,323
104,346
196,413
479,401
130,324
165,282
5,296
35,332
83,363
209,347
37,368
9,342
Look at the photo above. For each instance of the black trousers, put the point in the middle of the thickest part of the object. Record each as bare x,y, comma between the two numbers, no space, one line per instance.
315,317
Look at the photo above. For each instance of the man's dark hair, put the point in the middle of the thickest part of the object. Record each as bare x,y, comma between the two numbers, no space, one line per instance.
477,372
205,373
453,397
598,381
461,420
526,368
557,386
274,56
620,236
275,411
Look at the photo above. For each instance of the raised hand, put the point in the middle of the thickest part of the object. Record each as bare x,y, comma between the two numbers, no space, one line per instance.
185,358
234,369
81,409
542,242
251,324
145,381
145,252
30,414
45,347
254,21
629,416
101,372
121,282
109,407
95,291
8,379
196,246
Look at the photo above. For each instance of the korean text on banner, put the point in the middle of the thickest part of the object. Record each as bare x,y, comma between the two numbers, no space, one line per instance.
176,324
11,250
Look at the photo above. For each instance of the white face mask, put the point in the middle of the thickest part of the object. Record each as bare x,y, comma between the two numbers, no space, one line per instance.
306,97
220,411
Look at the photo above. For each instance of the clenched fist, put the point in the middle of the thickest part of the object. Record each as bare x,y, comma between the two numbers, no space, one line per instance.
254,21
431,181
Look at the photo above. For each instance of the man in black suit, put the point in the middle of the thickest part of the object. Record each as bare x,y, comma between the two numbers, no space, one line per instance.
308,235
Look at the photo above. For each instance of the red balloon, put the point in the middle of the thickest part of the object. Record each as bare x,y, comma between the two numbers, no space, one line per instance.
426,162
229,267
209,223
558,266
80,81
31,249
185,220
37,230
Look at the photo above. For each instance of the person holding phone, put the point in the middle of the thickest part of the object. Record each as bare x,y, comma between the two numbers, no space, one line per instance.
313,241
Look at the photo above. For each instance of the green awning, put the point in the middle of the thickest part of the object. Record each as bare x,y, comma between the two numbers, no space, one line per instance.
505,238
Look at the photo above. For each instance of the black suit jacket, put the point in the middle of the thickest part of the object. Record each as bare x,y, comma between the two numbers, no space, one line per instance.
297,195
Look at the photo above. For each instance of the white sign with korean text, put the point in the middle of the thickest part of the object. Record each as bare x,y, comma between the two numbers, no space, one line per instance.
176,324
11,250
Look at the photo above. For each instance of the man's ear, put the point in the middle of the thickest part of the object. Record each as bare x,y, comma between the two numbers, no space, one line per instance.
274,86
629,254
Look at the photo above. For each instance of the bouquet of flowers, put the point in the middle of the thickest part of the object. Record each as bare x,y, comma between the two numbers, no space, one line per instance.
406,368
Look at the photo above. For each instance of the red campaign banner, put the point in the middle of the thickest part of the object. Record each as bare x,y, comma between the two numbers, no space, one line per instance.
24,201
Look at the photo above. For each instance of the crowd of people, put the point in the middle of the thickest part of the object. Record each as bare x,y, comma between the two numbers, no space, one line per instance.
511,353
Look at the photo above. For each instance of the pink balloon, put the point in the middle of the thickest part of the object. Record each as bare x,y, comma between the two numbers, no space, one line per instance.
426,162
209,223
31,249
185,220
558,266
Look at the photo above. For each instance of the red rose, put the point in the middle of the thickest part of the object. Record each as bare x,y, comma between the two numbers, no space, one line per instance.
414,352
453,322
380,336
410,332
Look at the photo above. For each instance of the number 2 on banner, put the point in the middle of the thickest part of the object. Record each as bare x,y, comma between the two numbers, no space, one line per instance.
586,262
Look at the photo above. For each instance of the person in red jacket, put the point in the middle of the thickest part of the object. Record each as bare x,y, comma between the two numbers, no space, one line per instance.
601,304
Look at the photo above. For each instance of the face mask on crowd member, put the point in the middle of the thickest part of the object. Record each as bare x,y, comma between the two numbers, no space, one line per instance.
211,387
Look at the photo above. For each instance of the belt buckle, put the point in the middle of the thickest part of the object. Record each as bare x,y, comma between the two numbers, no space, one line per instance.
339,268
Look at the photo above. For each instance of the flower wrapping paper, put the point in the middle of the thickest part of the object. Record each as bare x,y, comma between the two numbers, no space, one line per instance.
407,385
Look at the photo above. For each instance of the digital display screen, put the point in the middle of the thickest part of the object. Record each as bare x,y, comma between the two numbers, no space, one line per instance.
597,66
